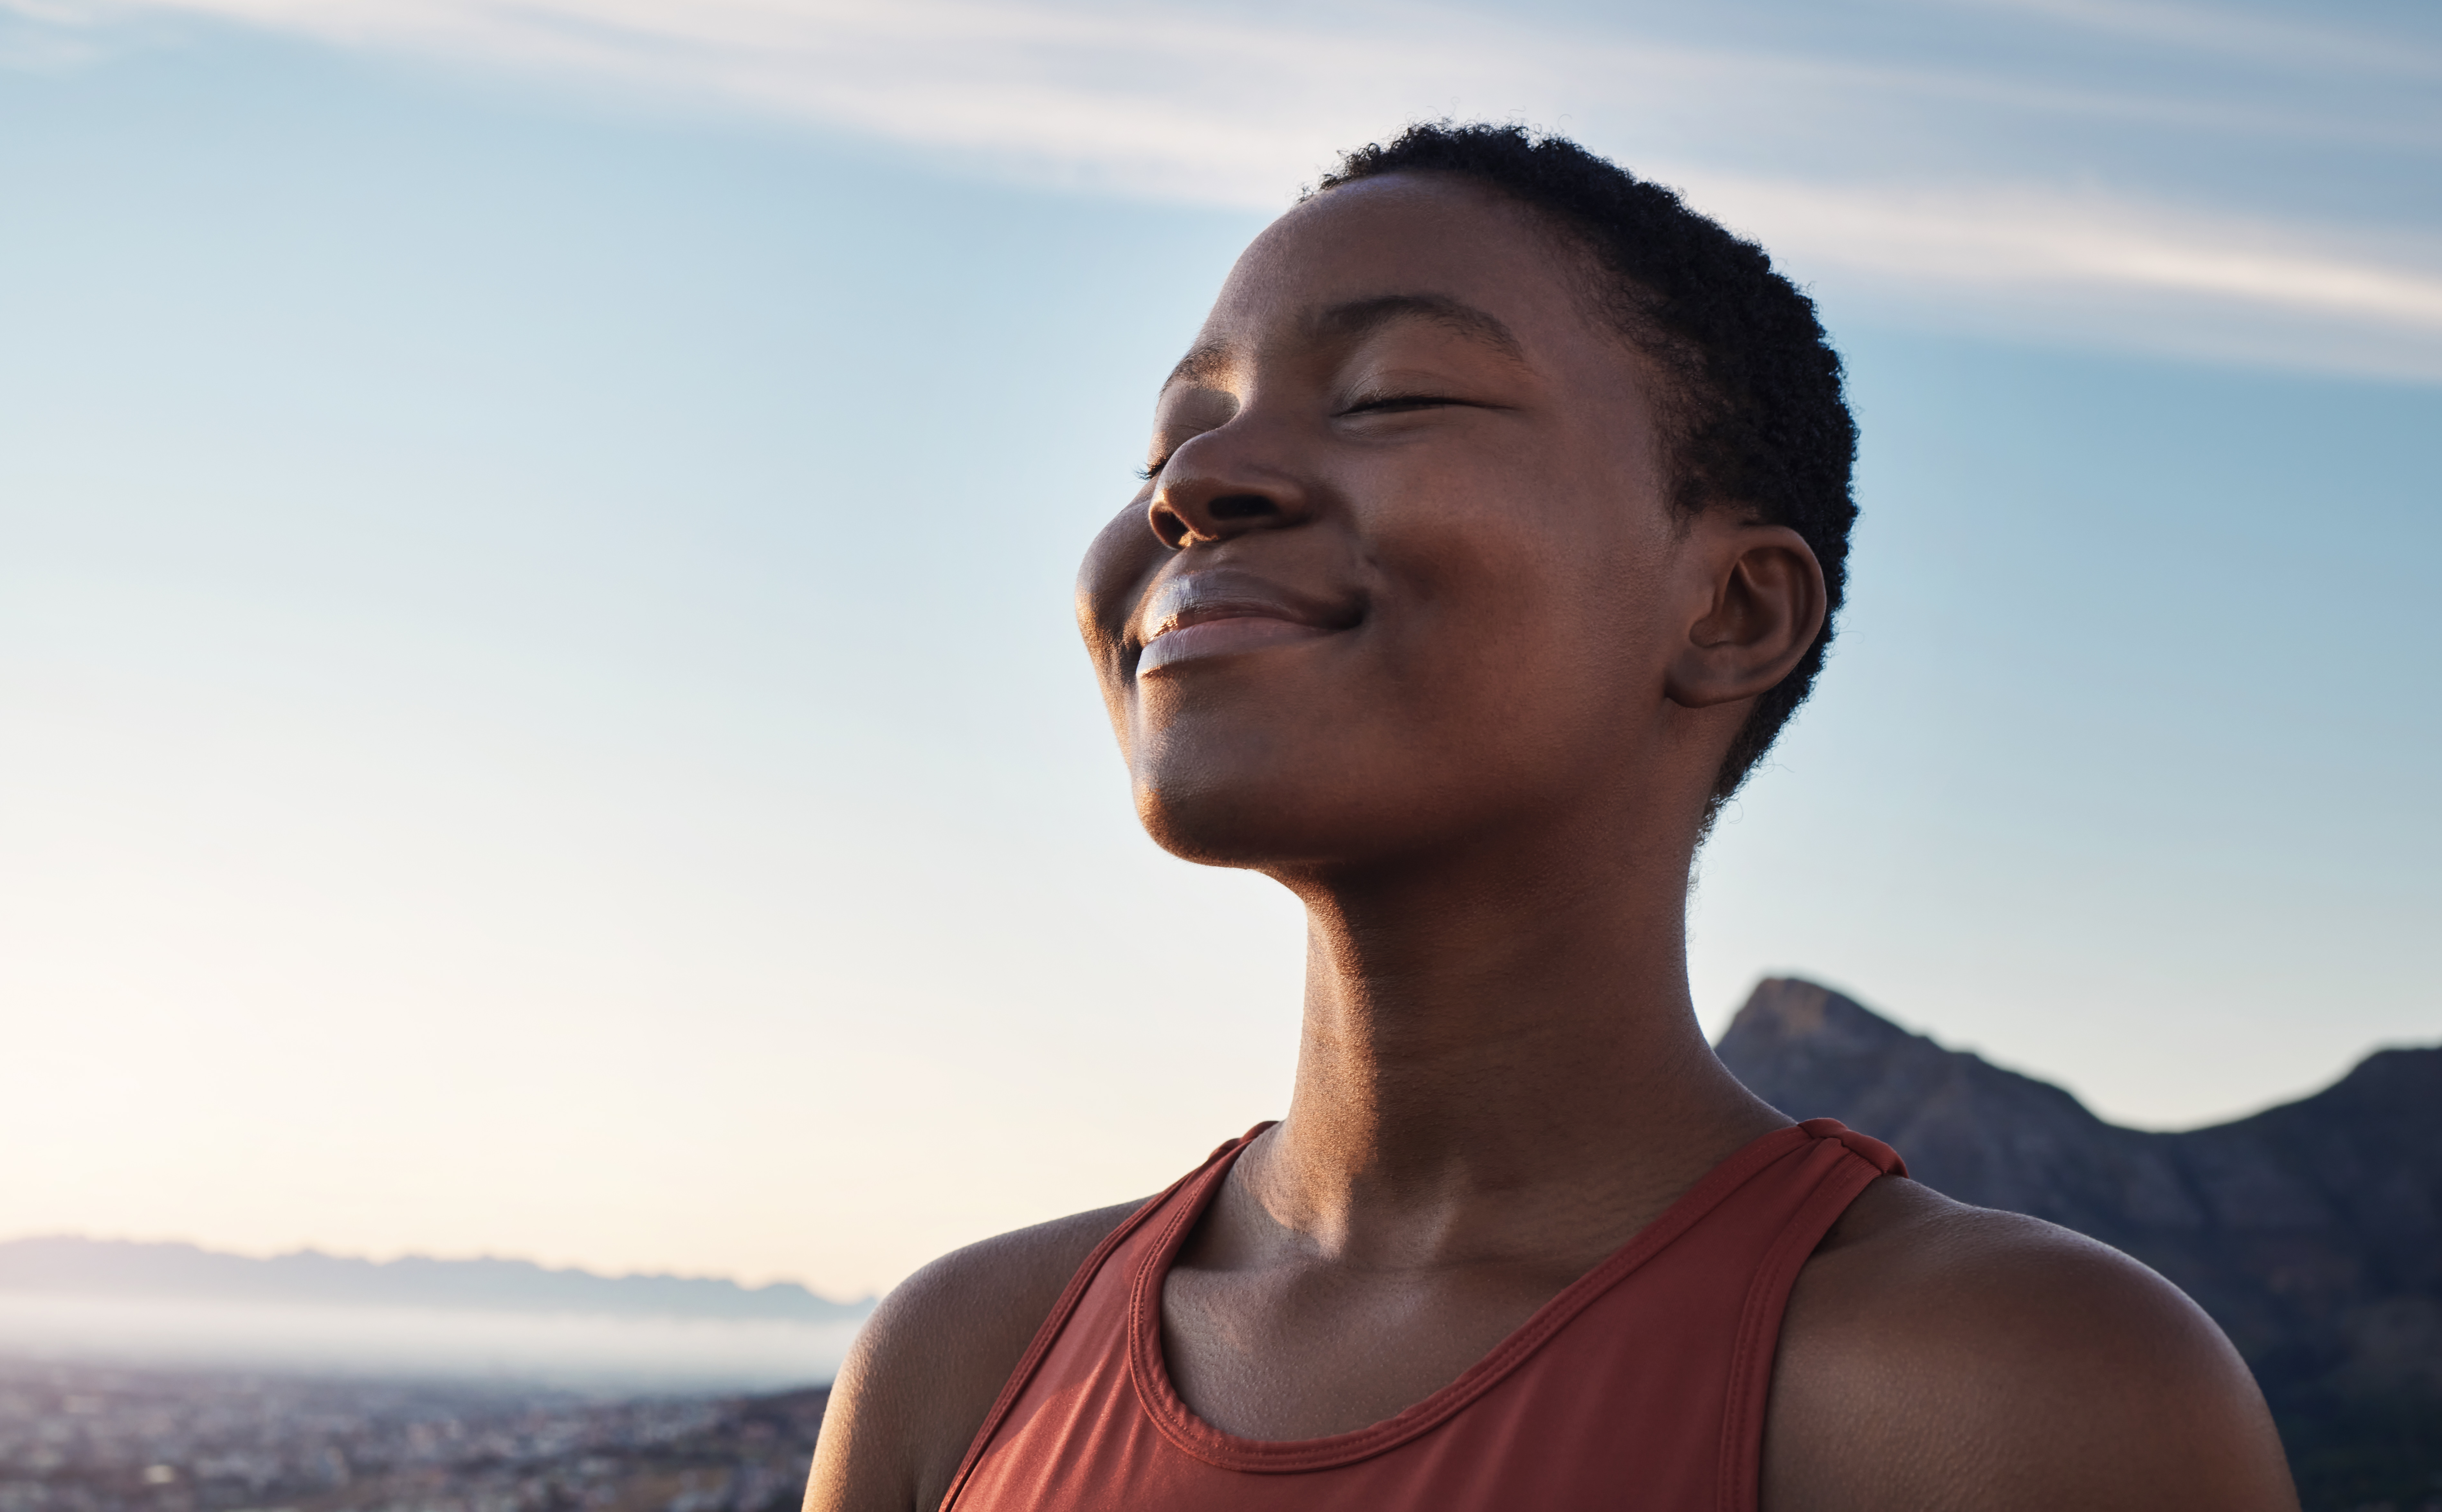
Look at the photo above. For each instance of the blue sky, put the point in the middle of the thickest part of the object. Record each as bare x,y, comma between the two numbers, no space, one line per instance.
533,555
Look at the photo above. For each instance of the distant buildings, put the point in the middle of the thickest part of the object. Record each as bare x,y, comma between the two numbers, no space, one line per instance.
77,1438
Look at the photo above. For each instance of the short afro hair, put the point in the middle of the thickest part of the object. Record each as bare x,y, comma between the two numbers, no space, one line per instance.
1758,420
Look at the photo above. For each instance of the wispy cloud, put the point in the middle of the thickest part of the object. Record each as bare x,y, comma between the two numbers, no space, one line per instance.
2226,31
1907,178
2096,269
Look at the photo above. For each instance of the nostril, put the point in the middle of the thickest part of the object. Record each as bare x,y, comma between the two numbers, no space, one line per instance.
1180,518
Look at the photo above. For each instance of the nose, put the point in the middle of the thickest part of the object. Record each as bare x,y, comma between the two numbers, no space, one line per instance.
1213,489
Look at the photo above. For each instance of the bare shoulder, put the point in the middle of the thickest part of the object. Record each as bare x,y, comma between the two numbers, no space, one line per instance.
933,1358
1937,1355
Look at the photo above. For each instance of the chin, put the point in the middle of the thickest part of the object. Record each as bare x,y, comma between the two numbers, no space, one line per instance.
1216,824
1287,817
1256,825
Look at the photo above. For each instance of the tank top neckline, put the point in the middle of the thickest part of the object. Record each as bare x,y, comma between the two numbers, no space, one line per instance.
1178,1422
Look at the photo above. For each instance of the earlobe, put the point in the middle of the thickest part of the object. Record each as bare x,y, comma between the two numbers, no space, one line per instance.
1759,602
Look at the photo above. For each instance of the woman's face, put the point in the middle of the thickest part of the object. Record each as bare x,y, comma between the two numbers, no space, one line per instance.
1404,572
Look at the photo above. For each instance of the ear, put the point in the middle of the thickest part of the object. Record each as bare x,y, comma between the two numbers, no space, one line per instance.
1758,600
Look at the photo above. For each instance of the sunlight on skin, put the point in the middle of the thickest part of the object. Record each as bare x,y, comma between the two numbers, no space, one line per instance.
1460,678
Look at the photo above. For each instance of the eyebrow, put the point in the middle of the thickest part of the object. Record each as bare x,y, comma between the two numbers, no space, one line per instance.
1354,318
1362,317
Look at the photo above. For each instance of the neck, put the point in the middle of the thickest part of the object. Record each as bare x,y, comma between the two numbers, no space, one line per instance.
1496,1037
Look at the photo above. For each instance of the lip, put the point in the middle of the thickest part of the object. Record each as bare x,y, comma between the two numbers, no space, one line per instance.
1198,616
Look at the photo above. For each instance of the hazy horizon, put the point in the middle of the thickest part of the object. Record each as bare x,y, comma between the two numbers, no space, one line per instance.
748,1285
585,1351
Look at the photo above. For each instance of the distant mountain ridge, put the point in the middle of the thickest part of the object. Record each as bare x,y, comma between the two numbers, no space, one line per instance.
2312,1232
107,1268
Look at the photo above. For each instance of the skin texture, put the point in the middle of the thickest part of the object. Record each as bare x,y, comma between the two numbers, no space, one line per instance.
1403,619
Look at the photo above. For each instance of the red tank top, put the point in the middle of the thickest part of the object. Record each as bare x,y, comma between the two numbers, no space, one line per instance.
1641,1385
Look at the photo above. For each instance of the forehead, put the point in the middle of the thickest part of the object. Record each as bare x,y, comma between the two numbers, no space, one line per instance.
1454,255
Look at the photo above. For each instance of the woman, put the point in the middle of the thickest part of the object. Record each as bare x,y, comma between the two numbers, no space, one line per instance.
1492,528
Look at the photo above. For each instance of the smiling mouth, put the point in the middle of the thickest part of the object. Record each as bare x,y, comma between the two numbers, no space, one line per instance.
1210,614
1226,636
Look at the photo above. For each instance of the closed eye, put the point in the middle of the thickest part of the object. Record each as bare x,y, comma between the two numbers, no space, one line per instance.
1393,403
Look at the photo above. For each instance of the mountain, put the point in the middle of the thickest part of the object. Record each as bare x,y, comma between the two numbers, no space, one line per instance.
2312,1232
96,1268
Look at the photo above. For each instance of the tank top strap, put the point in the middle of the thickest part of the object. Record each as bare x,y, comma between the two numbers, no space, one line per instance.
1214,1165
1848,1164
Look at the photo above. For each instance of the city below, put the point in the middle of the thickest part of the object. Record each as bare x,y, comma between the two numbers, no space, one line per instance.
88,1438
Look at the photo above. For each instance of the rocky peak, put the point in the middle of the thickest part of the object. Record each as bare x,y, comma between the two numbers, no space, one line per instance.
2311,1231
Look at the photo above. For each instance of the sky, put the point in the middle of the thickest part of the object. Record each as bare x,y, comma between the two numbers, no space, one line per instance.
539,709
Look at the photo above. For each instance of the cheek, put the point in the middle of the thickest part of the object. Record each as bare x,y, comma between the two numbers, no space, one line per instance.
1520,618
1122,559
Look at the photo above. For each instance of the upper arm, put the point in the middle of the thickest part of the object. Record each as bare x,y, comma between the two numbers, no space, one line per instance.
1962,1359
929,1363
